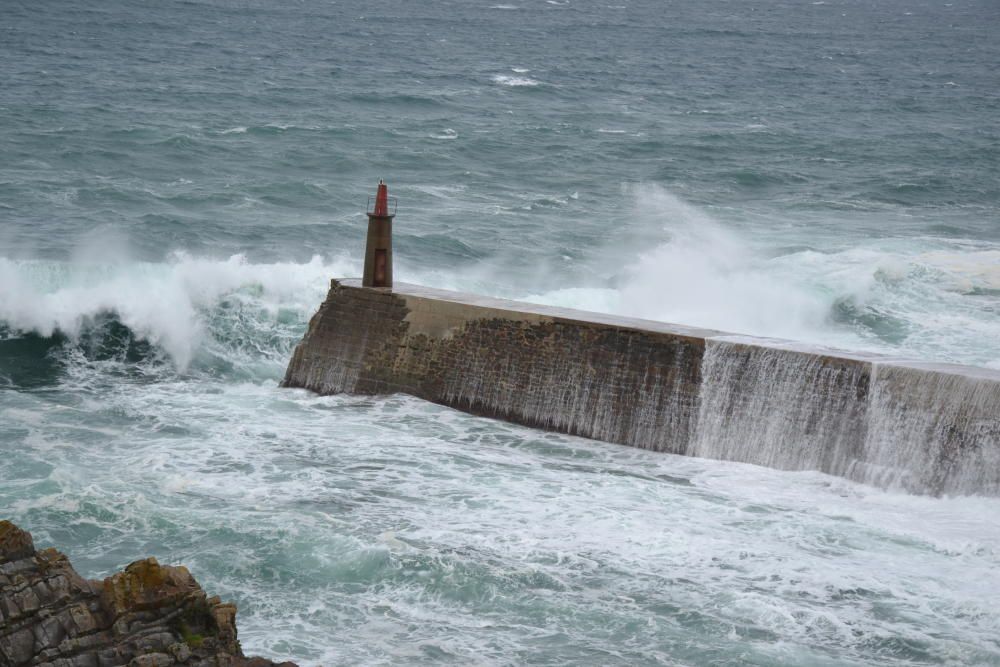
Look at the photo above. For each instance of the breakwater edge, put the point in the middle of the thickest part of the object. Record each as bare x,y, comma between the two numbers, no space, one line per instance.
920,427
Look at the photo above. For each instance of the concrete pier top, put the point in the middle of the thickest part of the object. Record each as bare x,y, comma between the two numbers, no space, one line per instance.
508,307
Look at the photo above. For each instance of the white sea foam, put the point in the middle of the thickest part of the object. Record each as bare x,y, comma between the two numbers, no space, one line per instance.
164,304
407,522
885,295
401,522
968,270
707,275
514,81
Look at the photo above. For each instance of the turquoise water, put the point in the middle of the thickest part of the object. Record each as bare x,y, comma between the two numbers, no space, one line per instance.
179,182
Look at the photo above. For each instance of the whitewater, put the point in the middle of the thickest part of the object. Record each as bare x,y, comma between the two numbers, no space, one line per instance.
179,183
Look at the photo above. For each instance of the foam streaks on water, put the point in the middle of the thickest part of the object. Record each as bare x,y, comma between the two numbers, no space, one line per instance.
416,526
421,534
185,308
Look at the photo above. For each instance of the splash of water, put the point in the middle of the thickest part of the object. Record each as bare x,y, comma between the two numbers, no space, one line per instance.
887,295
174,306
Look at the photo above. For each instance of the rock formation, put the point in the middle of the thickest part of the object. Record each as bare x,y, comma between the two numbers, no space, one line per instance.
148,615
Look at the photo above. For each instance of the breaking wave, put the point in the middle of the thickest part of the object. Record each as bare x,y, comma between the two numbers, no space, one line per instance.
185,312
932,299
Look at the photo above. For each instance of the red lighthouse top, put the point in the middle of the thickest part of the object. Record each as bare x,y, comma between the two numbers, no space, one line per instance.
384,206
381,200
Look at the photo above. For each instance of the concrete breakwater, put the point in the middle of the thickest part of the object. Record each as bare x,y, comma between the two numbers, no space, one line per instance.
924,428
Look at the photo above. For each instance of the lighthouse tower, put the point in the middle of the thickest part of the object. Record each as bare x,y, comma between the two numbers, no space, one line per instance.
378,251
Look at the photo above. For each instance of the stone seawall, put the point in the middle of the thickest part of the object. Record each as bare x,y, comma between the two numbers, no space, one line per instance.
920,427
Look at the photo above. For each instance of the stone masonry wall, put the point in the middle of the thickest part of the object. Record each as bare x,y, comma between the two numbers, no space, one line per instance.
602,381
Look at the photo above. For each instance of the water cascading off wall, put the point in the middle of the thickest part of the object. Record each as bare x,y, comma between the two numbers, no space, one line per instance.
780,408
932,429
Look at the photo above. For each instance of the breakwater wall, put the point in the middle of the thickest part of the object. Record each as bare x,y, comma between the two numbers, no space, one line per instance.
919,427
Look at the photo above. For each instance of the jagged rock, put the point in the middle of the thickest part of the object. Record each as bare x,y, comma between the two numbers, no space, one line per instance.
148,615
14,542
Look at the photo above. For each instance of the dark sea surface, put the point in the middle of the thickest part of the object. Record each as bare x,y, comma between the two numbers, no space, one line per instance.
180,180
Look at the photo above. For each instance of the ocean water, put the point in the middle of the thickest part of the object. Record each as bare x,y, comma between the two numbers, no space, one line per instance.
179,181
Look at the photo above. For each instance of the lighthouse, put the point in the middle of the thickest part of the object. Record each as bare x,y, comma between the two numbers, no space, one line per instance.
378,251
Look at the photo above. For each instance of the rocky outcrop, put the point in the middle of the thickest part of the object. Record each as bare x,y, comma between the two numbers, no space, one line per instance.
148,615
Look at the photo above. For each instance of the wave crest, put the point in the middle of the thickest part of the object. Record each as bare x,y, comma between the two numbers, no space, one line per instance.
515,81
185,306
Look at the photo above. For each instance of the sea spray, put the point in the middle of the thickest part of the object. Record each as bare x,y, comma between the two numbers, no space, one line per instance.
682,263
710,275
690,268
182,307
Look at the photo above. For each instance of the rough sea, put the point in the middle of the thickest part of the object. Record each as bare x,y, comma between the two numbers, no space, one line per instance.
179,181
